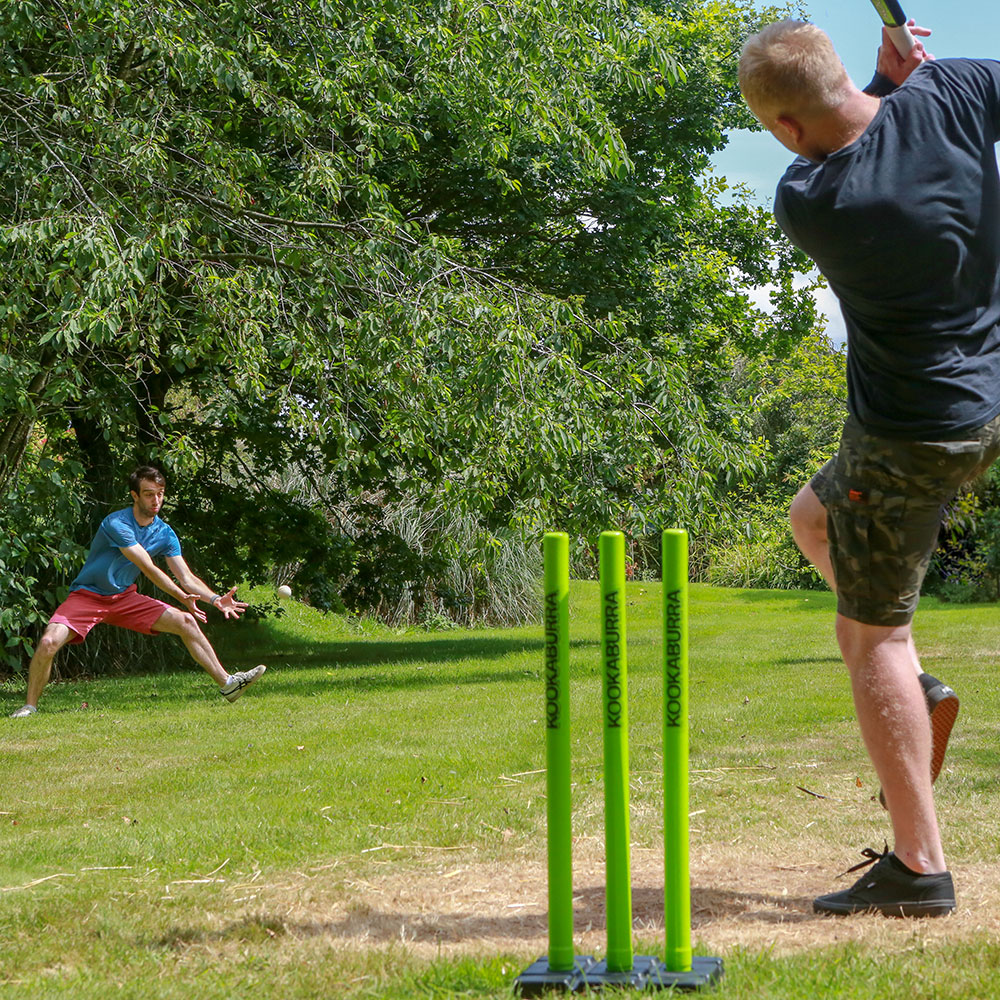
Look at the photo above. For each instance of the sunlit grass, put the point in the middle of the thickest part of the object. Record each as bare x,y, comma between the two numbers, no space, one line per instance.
140,815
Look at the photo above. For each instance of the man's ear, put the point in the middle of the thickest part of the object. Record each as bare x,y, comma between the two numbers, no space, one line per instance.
789,131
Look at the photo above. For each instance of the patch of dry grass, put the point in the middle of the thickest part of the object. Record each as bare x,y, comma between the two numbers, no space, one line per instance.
743,897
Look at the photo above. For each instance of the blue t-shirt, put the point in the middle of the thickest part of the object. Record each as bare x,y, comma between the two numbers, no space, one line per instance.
106,570
904,223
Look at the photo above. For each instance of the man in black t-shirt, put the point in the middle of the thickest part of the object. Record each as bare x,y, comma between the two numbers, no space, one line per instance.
895,196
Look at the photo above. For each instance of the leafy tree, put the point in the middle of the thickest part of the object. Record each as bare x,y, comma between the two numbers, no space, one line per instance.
799,405
450,252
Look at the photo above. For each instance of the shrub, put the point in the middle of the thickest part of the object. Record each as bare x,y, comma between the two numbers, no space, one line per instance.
37,559
764,555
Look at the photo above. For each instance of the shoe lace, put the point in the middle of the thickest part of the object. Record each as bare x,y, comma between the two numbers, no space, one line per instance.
870,855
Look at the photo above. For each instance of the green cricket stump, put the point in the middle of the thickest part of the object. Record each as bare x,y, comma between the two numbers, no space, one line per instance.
561,968
614,672
620,967
680,969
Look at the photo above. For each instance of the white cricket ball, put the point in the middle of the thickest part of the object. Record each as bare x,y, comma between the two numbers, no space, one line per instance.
284,590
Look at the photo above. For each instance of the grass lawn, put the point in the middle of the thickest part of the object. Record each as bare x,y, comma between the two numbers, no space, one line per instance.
369,820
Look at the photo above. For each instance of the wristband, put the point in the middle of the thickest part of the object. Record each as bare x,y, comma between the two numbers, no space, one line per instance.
215,597
880,86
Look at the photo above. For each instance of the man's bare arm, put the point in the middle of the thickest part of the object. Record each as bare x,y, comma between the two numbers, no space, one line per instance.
226,603
138,555
187,579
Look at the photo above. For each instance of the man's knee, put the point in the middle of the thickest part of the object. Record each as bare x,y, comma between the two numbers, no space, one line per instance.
859,642
188,624
52,640
807,514
177,622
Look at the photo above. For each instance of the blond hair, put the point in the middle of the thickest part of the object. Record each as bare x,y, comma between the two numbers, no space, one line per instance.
791,68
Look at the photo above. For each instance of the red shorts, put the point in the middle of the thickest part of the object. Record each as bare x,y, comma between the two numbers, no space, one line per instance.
84,609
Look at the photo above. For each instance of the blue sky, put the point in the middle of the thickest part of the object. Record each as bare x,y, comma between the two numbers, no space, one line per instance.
959,29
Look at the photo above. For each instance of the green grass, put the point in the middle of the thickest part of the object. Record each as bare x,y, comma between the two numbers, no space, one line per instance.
158,842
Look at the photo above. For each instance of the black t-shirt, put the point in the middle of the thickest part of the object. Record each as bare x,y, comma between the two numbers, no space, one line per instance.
904,223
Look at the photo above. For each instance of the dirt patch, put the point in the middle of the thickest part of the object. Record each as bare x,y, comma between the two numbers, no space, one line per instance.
449,906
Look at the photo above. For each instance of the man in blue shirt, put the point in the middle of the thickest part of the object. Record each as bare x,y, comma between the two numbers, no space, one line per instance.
104,591
895,196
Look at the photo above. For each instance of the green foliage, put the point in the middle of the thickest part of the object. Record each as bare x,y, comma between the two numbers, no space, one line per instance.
35,549
466,575
799,404
451,255
764,556
966,565
260,609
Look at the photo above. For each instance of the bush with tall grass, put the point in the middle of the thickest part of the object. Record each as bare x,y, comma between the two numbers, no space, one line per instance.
429,565
763,555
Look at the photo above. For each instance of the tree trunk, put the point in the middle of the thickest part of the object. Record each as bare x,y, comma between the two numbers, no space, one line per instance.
16,431
105,476
152,389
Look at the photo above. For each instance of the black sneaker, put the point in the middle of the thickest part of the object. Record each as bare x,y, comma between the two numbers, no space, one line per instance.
942,706
890,888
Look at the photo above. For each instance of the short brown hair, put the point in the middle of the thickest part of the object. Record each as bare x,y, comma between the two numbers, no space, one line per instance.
149,473
791,68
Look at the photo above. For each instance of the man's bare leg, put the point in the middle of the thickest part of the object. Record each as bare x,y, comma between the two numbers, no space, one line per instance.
892,713
55,636
912,880
808,519
182,624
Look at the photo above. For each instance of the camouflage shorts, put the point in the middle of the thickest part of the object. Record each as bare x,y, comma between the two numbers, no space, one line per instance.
884,501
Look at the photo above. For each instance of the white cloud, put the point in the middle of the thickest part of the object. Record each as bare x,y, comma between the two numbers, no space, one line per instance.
826,302
830,307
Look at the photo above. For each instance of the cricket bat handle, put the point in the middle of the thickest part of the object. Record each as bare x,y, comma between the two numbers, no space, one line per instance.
901,38
895,23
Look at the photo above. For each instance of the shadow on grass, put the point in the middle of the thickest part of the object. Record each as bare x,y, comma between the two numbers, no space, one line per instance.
798,600
403,663
400,664
799,661
823,600
356,683
366,923
354,653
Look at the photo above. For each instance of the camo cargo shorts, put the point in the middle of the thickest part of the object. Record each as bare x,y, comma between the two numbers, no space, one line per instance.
884,502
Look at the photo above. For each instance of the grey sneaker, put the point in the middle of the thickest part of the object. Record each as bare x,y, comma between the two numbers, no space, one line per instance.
237,682
23,712
890,888
942,706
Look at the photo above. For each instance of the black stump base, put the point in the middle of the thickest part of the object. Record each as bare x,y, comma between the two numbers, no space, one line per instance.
538,978
647,973
705,972
636,978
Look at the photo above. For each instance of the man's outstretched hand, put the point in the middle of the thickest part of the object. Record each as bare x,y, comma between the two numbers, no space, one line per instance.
229,606
190,601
